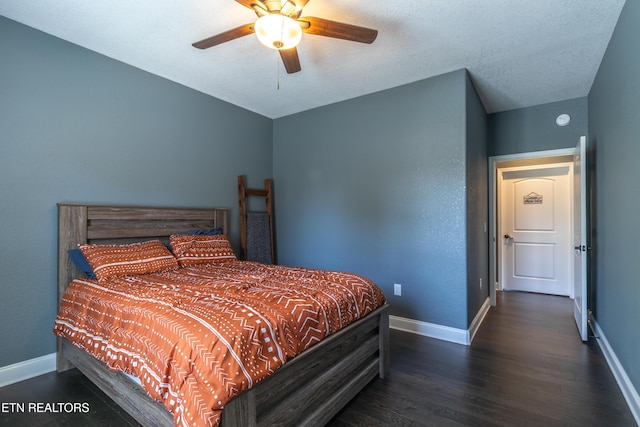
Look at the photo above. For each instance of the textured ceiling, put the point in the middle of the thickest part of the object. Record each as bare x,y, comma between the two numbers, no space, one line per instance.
518,52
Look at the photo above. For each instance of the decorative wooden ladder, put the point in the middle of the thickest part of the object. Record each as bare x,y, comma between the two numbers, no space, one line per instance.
243,193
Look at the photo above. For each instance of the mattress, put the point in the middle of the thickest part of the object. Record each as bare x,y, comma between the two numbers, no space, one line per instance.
198,336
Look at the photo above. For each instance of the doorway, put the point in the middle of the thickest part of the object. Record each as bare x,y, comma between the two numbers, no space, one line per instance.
524,161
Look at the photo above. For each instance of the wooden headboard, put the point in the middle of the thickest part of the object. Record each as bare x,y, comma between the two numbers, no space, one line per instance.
82,223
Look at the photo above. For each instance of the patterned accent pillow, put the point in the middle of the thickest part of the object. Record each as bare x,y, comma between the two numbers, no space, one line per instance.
199,249
123,260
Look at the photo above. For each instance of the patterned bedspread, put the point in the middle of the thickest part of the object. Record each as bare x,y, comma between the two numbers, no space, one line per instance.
198,336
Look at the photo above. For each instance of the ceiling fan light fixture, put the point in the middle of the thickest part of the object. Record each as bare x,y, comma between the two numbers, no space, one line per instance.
278,31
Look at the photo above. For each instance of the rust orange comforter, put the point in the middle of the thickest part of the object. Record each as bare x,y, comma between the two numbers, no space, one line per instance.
198,336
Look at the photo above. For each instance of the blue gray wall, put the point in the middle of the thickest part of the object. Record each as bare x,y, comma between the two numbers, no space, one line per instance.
76,126
377,185
476,202
614,135
534,128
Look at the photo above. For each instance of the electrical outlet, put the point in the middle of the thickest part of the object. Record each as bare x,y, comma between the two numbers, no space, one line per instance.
481,283
397,289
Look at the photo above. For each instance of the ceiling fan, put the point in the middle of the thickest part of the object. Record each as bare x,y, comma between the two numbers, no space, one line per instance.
279,26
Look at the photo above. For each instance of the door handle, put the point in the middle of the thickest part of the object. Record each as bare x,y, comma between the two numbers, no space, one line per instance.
507,236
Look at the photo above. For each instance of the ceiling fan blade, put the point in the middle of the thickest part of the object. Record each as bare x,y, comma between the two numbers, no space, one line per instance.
290,60
337,30
232,34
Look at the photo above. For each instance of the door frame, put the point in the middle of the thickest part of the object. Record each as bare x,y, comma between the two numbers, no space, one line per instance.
493,215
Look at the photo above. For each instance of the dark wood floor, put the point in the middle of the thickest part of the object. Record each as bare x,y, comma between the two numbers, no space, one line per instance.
526,367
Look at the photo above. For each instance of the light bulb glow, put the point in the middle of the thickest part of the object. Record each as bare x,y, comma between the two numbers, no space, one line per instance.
278,31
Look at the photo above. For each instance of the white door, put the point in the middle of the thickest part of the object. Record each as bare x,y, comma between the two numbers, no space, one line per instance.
535,229
580,238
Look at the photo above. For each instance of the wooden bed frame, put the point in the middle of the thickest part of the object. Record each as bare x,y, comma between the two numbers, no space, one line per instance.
308,390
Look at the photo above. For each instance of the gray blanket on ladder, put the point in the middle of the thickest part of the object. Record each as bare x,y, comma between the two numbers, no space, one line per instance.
258,237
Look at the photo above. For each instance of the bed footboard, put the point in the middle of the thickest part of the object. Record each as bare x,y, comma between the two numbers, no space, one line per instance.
311,388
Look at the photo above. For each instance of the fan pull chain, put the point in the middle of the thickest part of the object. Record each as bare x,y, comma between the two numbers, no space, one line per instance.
278,69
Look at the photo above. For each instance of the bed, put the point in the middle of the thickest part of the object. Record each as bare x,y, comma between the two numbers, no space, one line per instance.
307,390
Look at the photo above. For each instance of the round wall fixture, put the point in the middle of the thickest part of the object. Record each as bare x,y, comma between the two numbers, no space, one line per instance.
563,119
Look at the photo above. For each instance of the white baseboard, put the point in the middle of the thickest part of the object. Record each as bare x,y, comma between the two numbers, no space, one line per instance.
626,386
477,321
27,369
446,333
427,329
